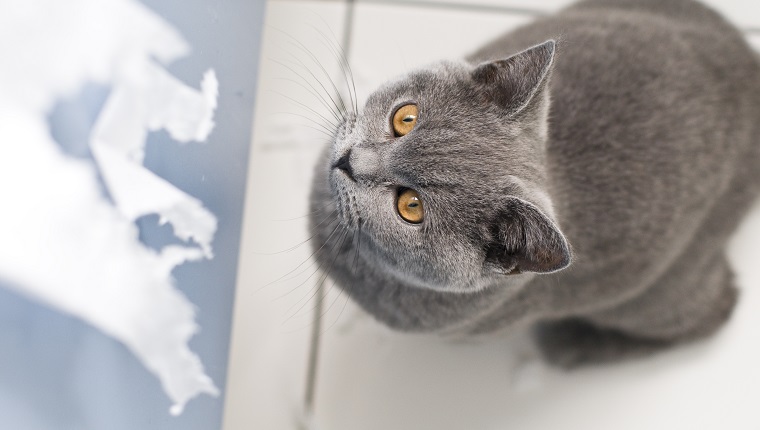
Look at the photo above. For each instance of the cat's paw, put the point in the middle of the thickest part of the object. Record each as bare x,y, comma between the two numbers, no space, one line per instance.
572,343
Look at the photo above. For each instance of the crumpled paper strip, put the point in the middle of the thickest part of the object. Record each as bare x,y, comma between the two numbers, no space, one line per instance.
152,100
66,244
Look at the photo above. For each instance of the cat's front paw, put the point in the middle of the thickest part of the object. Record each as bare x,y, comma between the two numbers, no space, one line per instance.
573,342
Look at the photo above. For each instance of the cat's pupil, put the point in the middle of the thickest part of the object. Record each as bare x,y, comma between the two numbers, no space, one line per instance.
408,118
413,205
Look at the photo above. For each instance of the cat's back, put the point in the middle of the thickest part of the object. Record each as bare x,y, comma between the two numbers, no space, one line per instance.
629,73
653,121
623,62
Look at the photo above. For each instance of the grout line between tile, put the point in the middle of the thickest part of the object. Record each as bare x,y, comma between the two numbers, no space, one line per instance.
463,6
348,29
315,338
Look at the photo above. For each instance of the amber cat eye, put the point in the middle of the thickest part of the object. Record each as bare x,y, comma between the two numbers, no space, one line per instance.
405,119
409,206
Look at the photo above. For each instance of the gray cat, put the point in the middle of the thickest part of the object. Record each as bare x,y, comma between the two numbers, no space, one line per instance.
585,186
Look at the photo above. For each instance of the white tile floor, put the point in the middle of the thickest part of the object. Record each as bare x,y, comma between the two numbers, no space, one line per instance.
370,378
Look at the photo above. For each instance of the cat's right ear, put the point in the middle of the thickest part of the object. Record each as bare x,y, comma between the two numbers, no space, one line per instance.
524,239
515,82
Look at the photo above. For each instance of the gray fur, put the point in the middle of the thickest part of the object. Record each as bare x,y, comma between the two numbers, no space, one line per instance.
587,187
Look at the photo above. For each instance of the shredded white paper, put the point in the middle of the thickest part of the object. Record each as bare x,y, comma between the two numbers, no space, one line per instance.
63,242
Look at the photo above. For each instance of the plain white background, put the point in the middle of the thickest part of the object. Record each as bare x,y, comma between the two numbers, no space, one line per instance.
371,378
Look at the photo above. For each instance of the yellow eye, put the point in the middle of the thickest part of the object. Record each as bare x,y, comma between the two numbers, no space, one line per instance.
409,206
404,119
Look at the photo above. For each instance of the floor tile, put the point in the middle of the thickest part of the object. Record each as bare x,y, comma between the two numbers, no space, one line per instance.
391,40
268,352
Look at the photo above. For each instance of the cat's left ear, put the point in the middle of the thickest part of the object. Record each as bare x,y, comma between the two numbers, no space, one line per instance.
524,239
514,83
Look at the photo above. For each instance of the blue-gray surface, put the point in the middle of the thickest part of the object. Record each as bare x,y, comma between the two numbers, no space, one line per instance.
57,372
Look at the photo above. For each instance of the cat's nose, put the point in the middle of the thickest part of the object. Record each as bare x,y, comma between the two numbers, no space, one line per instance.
366,163
344,164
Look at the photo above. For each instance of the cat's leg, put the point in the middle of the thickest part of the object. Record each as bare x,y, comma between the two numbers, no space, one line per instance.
573,342
684,305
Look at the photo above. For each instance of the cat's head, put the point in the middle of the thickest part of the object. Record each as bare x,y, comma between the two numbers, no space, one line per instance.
442,175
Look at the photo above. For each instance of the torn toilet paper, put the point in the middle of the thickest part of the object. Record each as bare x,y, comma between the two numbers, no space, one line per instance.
65,243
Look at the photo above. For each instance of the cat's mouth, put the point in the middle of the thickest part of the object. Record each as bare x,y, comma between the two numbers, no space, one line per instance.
344,196
343,180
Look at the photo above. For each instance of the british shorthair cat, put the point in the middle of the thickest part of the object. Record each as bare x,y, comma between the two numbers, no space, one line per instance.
581,174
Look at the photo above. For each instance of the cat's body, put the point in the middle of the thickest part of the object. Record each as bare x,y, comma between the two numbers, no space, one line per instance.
650,159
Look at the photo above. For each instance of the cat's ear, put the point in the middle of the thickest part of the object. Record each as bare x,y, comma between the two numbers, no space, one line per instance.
524,239
514,82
